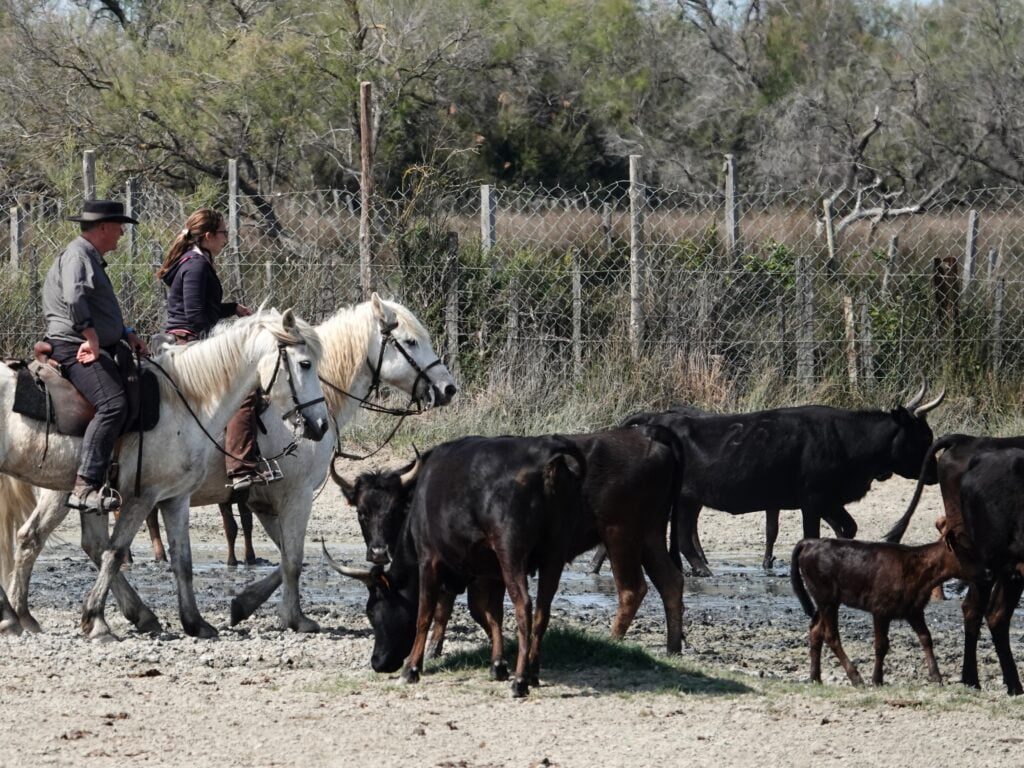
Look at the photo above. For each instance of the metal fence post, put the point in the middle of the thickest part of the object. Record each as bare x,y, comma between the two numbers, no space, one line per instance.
17,219
636,253
89,174
805,322
997,325
830,234
867,350
488,219
732,213
851,339
451,309
365,188
233,228
892,266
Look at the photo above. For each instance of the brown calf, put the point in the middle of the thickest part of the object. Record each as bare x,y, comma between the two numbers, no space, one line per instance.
891,581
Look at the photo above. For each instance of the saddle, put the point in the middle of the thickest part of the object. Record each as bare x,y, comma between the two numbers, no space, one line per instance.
42,393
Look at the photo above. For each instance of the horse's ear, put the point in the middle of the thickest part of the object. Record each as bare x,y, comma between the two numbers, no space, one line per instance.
288,319
385,315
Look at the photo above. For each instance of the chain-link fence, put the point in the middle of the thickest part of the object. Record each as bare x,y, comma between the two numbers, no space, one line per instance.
746,283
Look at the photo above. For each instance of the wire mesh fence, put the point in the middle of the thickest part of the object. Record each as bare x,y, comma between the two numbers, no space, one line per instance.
747,283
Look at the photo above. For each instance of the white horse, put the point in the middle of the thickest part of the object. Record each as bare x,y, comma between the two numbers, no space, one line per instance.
204,385
374,343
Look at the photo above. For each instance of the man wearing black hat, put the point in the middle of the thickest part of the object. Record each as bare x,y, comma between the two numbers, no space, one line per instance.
84,325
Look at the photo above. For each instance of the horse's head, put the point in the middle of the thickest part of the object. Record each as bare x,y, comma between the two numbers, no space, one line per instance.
402,356
290,377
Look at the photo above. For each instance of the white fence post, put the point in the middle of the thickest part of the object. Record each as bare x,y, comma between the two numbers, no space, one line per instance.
970,252
488,219
577,312
233,228
732,214
131,207
17,219
637,201
365,188
451,309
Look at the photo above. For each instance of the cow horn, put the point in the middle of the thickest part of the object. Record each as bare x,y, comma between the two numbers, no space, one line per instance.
930,405
336,476
410,476
916,399
361,574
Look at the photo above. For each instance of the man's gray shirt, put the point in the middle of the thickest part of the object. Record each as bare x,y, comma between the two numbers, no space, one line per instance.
77,294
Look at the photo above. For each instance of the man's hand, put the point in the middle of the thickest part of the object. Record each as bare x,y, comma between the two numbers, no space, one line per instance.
89,350
137,344
242,311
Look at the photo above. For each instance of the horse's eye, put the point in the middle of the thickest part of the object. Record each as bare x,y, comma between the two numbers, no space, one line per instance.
411,343
305,365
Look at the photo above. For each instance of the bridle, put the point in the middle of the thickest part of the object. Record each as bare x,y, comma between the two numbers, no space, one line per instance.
296,410
386,337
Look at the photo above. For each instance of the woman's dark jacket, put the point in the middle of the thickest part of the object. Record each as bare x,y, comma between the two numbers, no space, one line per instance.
194,294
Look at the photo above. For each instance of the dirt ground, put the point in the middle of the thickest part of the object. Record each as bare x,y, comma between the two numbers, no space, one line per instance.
261,696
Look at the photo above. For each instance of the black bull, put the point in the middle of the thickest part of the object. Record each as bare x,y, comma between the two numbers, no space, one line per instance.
813,458
486,510
982,483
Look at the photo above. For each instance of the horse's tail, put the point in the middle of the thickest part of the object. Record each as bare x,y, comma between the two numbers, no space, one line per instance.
17,500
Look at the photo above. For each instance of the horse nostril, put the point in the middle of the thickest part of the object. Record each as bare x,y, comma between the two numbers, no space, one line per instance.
449,392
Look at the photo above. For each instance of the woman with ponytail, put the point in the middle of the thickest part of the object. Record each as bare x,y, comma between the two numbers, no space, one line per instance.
194,305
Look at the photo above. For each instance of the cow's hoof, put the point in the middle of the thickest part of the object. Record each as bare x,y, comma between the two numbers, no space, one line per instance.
499,671
238,612
29,624
520,688
305,625
148,623
10,627
768,563
700,570
1014,691
410,675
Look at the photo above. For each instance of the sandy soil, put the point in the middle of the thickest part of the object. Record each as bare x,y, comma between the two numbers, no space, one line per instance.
261,696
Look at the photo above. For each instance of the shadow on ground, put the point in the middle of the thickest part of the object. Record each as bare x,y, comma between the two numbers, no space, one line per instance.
575,658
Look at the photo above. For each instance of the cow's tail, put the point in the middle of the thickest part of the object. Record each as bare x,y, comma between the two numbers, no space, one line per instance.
895,534
797,579
564,474
667,437
17,500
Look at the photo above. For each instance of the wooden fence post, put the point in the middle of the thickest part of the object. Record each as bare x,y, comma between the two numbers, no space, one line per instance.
451,309
365,188
577,312
892,265
606,226
830,235
851,339
89,174
636,253
732,214
997,325
234,236
805,322
970,252
17,236
131,207
488,219
867,350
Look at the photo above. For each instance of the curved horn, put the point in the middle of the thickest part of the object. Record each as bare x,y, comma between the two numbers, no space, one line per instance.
335,475
360,574
916,399
410,476
930,405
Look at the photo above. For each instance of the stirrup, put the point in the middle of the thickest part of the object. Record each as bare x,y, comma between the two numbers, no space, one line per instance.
271,471
99,500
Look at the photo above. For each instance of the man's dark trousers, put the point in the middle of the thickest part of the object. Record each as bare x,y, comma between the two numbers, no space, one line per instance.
100,383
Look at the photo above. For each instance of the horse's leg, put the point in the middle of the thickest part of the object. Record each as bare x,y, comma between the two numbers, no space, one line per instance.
292,531
230,532
175,512
95,539
245,517
94,623
49,512
153,524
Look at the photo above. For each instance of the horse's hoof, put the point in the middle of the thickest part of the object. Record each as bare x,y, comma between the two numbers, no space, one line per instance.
519,688
149,624
701,570
29,624
10,627
410,675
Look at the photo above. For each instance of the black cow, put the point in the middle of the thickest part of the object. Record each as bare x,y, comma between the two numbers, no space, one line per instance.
982,483
487,510
633,477
813,458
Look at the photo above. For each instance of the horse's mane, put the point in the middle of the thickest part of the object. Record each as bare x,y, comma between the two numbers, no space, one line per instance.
201,369
346,337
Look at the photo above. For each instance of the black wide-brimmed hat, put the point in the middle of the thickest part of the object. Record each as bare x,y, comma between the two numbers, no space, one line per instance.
103,210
